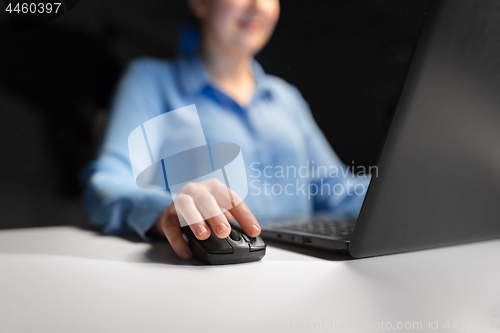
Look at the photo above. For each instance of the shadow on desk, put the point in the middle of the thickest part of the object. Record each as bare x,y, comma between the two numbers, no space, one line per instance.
313,252
161,252
89,243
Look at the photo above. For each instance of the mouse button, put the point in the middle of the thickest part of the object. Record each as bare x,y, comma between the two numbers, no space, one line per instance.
256,244
234,235
239,245
187,230
214,244
246,238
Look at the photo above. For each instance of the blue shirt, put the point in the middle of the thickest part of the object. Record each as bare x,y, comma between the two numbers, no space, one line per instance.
291,168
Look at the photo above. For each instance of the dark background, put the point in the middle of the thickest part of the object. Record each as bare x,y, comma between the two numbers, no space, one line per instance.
349,58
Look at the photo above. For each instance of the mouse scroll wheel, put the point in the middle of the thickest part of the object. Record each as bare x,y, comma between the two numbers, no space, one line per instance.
235,235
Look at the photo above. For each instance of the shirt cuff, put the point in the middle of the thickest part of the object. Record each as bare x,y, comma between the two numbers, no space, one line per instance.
146,209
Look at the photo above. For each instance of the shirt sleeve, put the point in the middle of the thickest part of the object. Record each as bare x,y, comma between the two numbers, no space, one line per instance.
339,191
111,198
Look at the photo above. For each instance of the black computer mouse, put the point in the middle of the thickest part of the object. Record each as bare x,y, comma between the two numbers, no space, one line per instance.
234,249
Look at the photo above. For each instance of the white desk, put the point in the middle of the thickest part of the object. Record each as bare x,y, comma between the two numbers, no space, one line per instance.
64,279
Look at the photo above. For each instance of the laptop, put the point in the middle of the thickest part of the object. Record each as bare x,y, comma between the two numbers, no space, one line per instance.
438,178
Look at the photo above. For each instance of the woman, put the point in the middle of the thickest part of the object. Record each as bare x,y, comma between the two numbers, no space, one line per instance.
237,102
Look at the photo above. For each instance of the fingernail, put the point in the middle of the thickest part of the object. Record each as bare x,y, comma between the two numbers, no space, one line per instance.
200,230
185,255
255,228
221,227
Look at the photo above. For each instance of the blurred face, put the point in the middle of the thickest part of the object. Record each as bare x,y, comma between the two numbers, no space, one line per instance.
239,25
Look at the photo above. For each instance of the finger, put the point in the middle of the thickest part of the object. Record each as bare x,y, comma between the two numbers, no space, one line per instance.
200,230
220,192
238,208
184,204
206,204
229,216
246,220
172,231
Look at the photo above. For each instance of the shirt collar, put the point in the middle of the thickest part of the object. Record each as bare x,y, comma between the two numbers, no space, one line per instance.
194,77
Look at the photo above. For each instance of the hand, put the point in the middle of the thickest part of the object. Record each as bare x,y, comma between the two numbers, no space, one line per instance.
196,200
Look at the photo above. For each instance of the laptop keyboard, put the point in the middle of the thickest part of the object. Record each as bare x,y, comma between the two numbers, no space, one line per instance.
321,227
